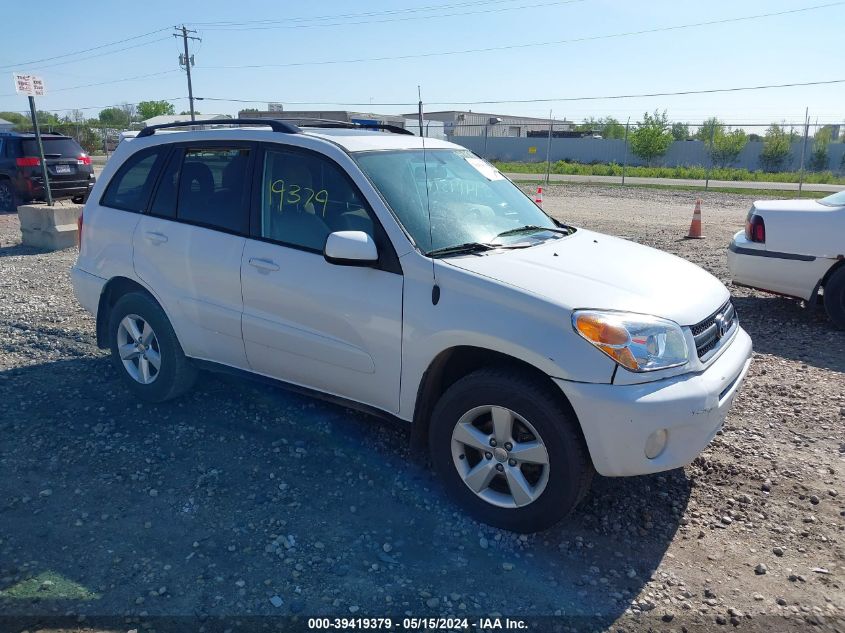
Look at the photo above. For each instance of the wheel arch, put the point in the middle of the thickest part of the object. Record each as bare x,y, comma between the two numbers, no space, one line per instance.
114,289
456,362
839,263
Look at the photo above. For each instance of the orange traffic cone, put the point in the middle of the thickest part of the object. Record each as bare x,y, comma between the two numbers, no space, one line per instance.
695,226
538,199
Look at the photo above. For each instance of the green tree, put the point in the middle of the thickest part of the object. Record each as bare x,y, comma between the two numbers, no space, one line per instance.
709,129
149,109
652,137
819,158
196,112
607,126
47,118
776,147
20,121
680,131
611,128
114,117
727,146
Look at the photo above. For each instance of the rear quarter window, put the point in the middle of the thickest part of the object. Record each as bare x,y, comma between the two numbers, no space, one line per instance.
131,186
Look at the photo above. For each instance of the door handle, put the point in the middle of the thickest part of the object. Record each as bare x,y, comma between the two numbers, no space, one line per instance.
155,238
263,264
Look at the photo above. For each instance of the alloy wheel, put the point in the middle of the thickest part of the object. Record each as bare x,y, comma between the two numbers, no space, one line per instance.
139,349
500,456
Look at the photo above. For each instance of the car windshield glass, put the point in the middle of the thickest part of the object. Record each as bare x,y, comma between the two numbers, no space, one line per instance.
469,199
835,200
64,147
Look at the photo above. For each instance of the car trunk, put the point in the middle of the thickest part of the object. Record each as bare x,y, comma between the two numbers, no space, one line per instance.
63,159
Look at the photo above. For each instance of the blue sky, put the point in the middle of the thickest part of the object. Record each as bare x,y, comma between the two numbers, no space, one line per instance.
791,48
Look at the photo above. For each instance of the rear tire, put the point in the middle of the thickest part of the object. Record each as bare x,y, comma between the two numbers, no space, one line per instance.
508,451
145,350
834,298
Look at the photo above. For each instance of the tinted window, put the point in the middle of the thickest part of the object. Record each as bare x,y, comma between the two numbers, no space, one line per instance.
131,187
53,147
164,202
212,188
305,197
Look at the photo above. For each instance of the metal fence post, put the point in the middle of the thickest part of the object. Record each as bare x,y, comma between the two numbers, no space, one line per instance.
710,168
804,150
625,156
549,150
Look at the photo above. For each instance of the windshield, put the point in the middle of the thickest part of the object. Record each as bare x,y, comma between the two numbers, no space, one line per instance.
835,200
469,199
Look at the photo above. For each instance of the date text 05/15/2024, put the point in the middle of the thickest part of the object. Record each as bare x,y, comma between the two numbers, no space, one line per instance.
413,624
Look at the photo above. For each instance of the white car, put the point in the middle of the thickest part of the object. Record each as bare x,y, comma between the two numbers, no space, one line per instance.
408,277
794,248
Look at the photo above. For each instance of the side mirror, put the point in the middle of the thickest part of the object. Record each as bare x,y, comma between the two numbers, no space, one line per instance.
350,248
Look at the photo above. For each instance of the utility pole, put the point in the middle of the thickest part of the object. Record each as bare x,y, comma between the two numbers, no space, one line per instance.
187,60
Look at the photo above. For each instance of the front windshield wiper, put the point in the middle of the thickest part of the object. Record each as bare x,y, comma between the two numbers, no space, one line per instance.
460,249
529,228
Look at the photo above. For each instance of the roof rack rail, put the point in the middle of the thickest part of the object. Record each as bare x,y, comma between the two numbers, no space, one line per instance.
333,123
277,125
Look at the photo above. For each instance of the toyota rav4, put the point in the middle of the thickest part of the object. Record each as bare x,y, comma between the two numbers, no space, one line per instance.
407,277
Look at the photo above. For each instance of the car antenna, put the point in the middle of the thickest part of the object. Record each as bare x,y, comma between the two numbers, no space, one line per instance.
435,289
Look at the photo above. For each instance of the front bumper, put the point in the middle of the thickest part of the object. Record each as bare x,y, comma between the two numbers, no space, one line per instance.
617,420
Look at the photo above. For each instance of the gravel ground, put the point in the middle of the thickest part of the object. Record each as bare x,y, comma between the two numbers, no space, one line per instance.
244,500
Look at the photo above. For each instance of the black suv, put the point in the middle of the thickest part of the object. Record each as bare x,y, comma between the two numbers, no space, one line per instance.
21,177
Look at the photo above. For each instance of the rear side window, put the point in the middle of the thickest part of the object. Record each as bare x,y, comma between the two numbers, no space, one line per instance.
53,147
131,186
213,188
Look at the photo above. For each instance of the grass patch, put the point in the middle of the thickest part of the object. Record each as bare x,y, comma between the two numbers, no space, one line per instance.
681,171
48,586
760,194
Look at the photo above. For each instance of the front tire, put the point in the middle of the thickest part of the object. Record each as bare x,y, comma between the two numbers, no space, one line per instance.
145,350
508,451
834,298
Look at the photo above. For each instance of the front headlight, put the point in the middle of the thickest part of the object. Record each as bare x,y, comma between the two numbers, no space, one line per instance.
638,342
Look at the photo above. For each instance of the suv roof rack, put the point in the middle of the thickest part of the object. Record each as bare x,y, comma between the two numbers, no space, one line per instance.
277,125
285,126
333,123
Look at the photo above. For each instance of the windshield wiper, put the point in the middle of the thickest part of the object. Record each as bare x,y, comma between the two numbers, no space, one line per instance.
528,228
460,249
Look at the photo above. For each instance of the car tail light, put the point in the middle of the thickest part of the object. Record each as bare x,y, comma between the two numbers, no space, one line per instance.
28,161
755,229
79,231
84,159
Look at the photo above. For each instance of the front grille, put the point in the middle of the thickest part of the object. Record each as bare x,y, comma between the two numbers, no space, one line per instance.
709,332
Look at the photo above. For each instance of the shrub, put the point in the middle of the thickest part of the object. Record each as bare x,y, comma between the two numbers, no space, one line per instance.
776,148
652,138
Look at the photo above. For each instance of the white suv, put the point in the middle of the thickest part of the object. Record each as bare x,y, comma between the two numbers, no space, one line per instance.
408,277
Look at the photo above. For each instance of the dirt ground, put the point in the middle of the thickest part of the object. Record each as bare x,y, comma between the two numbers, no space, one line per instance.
242,501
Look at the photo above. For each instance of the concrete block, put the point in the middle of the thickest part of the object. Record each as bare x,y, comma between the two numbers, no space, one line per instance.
49,228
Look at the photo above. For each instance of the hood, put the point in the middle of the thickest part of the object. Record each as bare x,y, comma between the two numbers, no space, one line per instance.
592,270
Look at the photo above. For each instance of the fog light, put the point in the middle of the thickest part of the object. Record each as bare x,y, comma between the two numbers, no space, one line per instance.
655,443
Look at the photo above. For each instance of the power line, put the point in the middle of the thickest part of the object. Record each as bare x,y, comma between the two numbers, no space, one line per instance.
84,50
104,83
338,16
117,50
396,19
543,100
533,44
